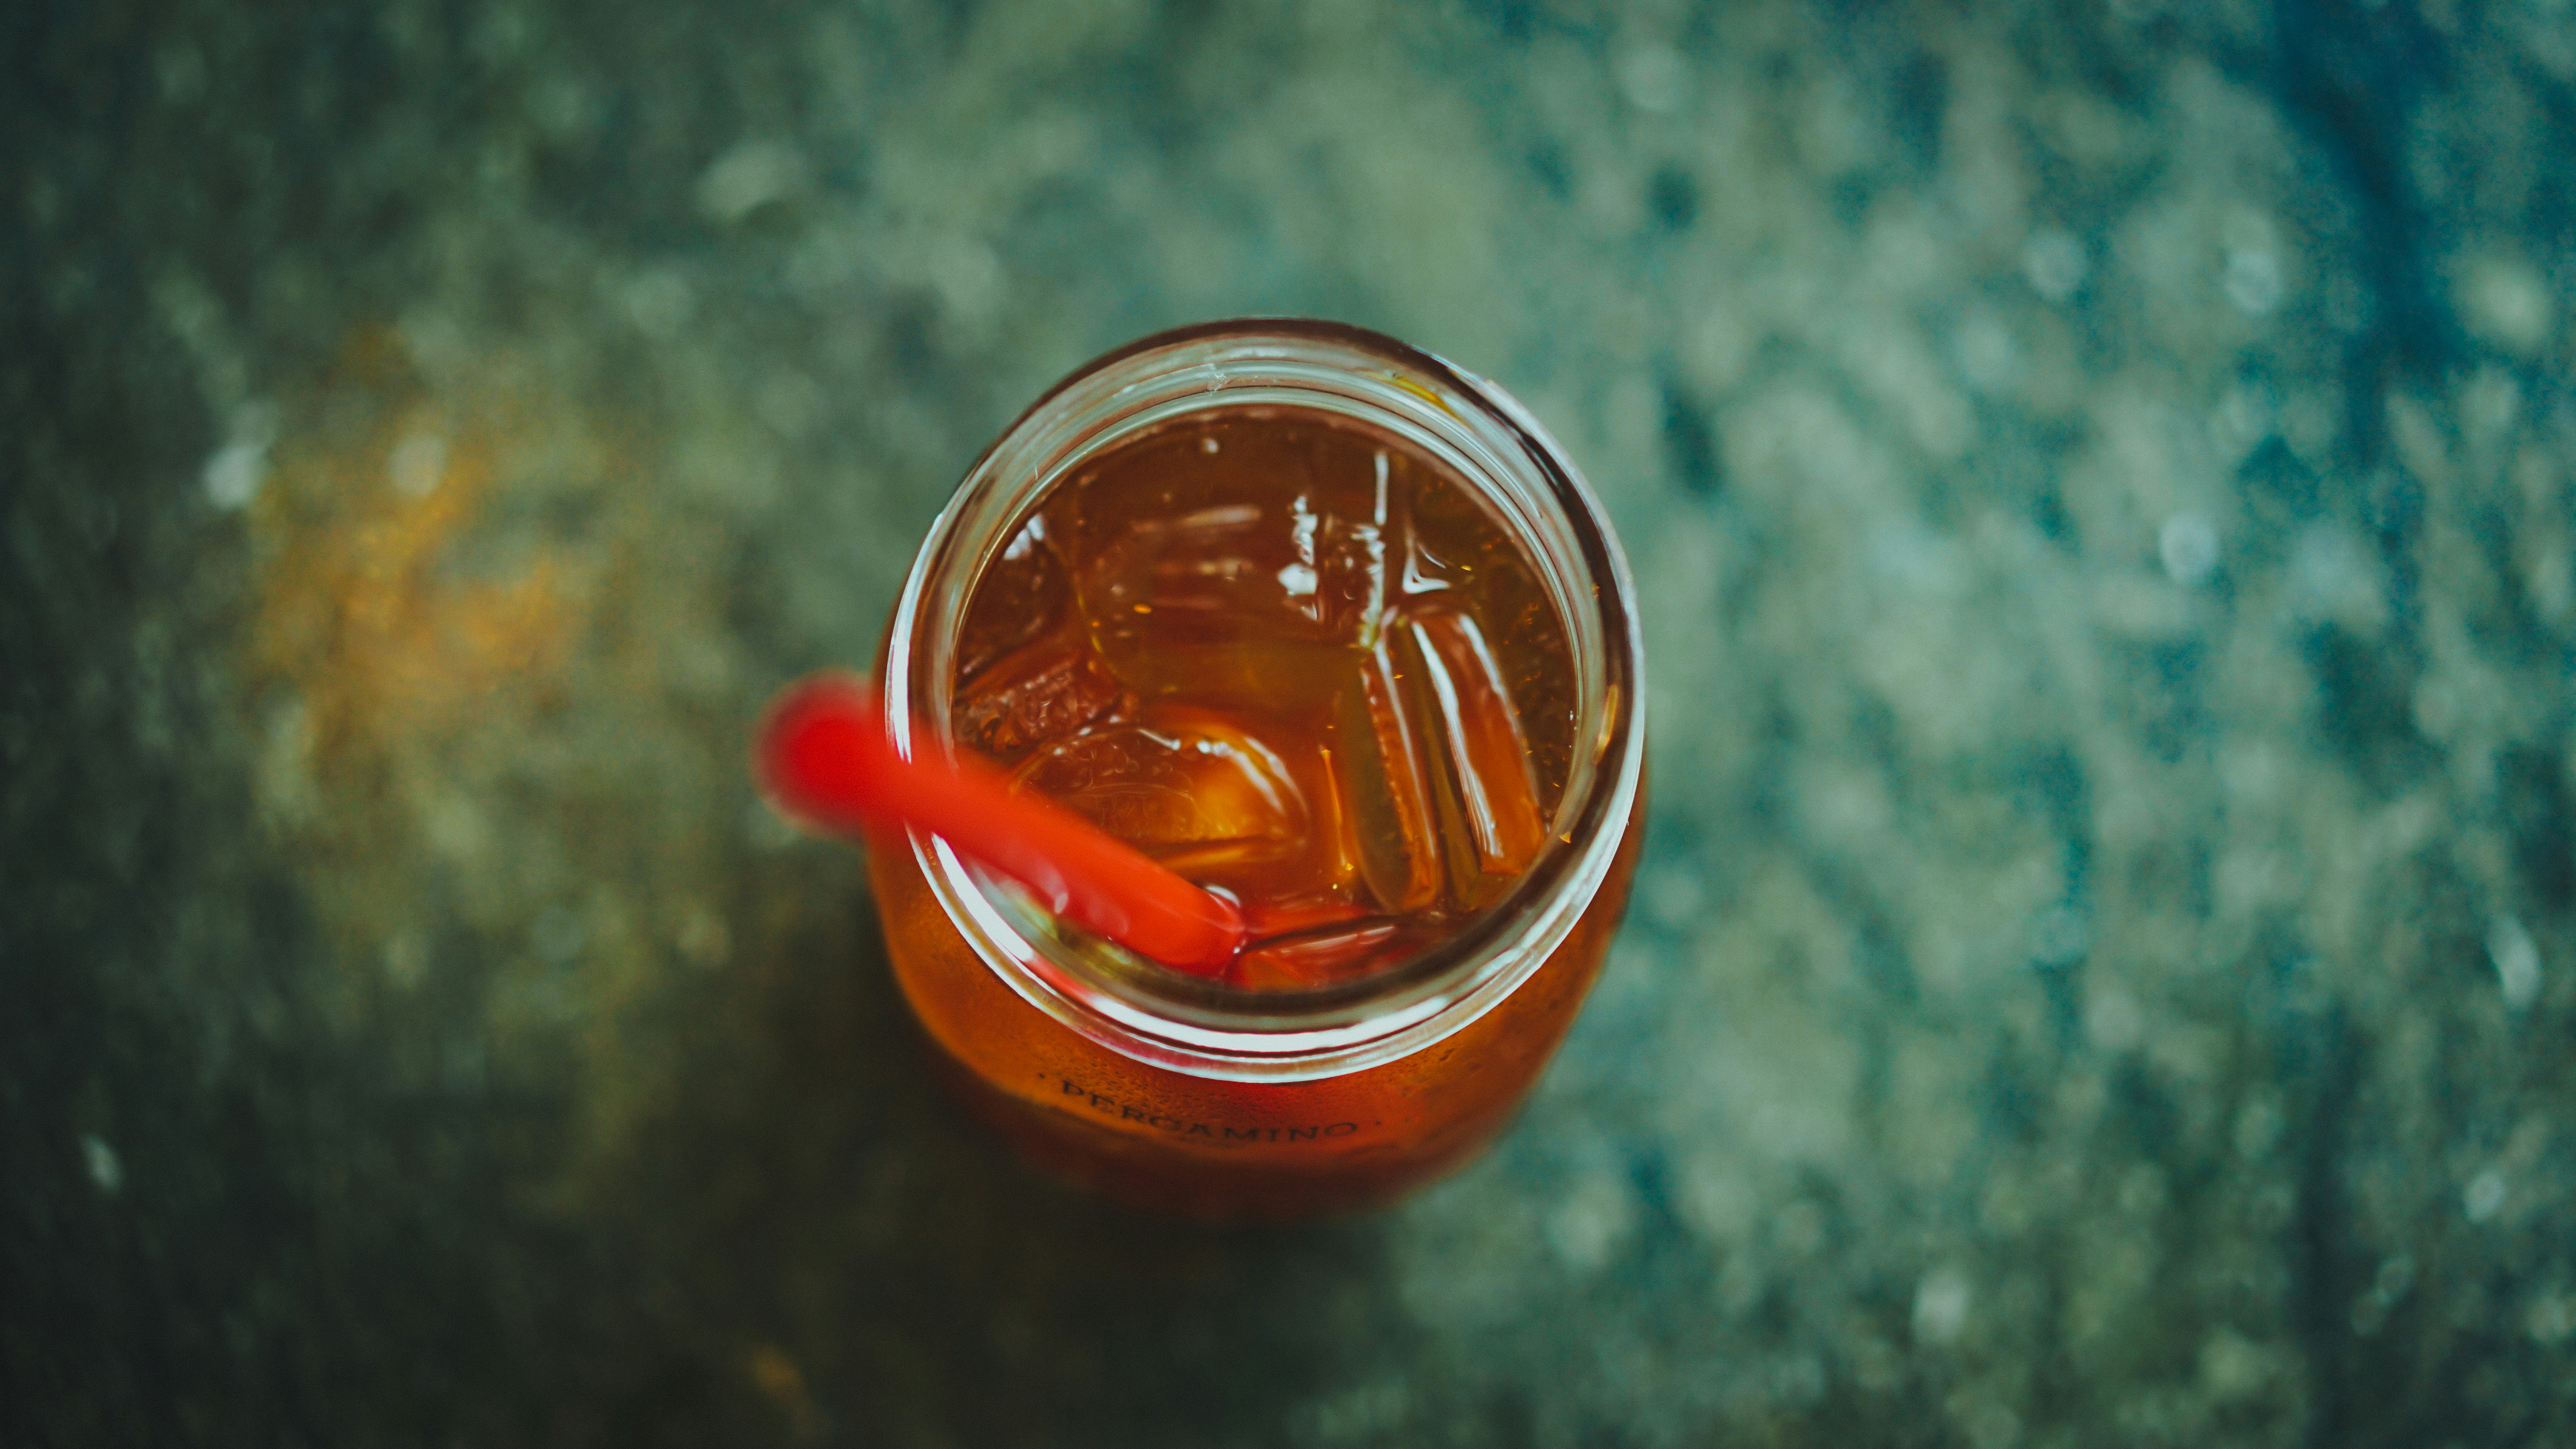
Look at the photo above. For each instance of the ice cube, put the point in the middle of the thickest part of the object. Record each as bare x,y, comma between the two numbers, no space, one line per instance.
1487,795
1447,537
1046,691
1192,579
1382,804
1188,789
1330,953
1022,595
1311,567
1338,583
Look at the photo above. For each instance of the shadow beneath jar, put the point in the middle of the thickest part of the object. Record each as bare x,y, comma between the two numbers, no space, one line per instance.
820,1245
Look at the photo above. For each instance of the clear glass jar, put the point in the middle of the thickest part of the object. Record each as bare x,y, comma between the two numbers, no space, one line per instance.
1183,1093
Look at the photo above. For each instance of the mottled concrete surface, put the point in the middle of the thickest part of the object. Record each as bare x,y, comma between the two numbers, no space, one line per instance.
2101,481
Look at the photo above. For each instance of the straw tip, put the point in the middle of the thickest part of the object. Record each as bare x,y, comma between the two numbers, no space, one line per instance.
810,738
823,755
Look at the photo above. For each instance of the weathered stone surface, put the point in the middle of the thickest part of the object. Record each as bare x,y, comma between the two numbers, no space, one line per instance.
2100,477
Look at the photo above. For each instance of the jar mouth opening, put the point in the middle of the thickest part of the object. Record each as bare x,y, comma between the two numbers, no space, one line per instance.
1492,447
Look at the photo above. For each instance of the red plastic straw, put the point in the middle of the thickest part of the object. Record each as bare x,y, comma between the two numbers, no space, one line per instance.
825,757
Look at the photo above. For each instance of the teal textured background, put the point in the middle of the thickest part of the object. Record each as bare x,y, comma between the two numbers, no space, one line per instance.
2100,481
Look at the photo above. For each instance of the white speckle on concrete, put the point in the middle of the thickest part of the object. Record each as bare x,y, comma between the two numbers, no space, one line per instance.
105,1171
406,959
2552,1318
2484,1197
438,342
2517,961
1718,1199
2490,402
1719,348
2188,547
2423,443
2054,263
968,278
659,301
453,823
2252,280
703,939
752,175
2234,1367
181,70
2260,1124
2388,1288
1672,895
287,791
1986,353
2254,274
1941,1304
1991,1425
2112,1019
234,474
417,464
1654,78
1587,1228
2333,578
2242,419
2142,1192
2505,302
1362,1414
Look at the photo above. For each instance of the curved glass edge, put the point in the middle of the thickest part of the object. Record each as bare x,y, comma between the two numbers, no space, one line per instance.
1305,1035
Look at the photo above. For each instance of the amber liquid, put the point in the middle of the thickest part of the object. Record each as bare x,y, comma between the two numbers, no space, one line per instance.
1298,662
1294,661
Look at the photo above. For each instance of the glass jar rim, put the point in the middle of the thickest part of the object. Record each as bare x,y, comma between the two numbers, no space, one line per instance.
1492,443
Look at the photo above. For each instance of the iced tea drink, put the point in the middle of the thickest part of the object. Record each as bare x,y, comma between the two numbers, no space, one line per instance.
1329,627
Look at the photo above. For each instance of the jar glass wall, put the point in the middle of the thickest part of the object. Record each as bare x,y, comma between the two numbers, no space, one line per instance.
1182,1092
